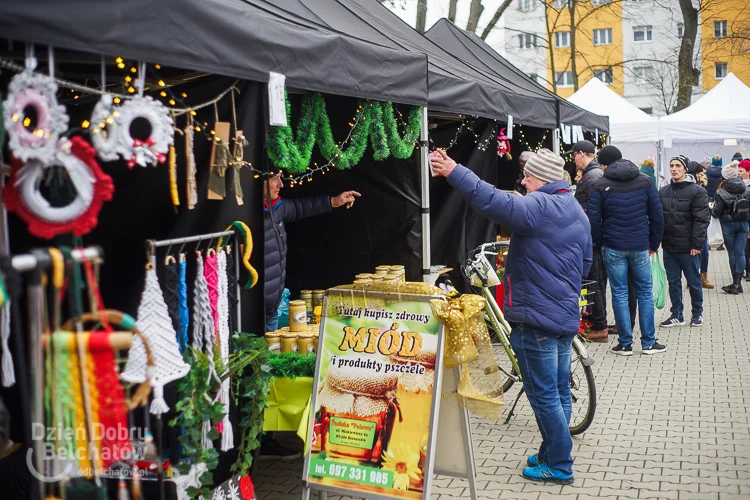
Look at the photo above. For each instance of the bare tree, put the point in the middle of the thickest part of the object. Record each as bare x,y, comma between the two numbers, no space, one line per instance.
687,75
475,12
421,15
452,10
495,18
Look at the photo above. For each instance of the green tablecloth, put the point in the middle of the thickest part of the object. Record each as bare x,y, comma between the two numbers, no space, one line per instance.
289,403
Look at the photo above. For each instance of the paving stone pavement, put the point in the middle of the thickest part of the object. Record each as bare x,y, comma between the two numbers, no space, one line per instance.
669,426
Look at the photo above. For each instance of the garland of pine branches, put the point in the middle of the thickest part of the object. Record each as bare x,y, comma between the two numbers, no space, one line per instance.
374,120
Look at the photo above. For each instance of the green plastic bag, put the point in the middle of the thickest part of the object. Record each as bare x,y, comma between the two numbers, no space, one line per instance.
659,277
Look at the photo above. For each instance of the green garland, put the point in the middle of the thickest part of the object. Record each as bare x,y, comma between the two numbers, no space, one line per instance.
374,120
292,365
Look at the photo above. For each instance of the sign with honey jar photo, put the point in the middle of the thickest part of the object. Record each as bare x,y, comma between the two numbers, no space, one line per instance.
374,402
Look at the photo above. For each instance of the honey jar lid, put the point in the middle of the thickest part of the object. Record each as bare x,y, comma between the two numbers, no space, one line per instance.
319,292
397,268
288,335
297,303
272,334
305,292
383,268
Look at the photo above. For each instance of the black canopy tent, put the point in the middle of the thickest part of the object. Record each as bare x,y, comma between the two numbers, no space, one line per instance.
475,51
455,87
233,38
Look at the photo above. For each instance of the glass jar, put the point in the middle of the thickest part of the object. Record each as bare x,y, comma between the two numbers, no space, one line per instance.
273,339
297,315
305,343
306,295
289,342
317,301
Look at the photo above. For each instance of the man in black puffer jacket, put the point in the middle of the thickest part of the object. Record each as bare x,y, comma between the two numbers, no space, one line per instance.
275,213
627,222
686,218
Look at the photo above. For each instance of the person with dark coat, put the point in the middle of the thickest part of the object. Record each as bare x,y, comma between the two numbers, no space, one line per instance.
589,170
627,222
549,254
275,213
732,208
686,218
713,173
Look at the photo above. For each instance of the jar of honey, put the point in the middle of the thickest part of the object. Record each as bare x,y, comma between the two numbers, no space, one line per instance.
305,343
362,276
306,295
297,315
382,269
414,393
358,411
289,342
317,301
273,339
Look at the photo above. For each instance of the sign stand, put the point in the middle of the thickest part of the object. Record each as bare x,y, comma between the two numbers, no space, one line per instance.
448,453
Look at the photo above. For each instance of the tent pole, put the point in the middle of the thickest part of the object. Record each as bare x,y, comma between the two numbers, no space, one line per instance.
425,181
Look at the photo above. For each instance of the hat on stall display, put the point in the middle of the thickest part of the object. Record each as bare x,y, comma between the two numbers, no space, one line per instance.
731,171
609,155
583,147
545,166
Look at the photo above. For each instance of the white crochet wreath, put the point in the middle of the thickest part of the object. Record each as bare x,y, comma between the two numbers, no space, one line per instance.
105,139
38,91
148,151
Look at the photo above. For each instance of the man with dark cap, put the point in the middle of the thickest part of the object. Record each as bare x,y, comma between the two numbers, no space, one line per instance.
584,157
686,218
627,222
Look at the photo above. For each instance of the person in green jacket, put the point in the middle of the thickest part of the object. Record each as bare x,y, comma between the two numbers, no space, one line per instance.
648,168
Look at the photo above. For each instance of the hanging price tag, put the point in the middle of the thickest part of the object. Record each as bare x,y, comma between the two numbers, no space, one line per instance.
276,100
509,130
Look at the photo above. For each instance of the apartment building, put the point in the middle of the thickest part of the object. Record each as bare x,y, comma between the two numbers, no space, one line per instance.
631,45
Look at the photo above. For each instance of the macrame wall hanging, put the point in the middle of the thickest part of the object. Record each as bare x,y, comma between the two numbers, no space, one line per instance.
93,187
191,170
227,435
220,157
155,324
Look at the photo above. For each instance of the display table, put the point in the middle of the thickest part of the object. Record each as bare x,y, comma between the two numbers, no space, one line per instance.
289,405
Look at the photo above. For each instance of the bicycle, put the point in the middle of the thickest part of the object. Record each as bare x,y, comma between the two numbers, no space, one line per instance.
481,274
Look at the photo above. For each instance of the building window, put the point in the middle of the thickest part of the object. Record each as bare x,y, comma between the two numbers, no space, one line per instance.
603,36
720,70
680,30
526,40
564,79
562,39
642,74
642,34
560,4
648,111
525,5
605,75
720,29
600,2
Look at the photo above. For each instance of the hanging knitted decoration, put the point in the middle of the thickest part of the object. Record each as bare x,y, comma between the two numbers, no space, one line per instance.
170,283
156,326
503,145
93,187
212,279
192,185
33,92
182,294
247,238
227,435
105,129
139,150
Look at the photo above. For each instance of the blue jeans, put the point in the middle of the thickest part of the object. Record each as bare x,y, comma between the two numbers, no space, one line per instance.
272,319
704,257
545,368
620,263
735,238
677,264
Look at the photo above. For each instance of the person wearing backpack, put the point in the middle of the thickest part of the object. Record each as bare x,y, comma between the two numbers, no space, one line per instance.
732,208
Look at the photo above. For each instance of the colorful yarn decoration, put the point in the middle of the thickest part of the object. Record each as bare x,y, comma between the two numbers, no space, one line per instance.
182,293
212,278
247,237
94,397
79,420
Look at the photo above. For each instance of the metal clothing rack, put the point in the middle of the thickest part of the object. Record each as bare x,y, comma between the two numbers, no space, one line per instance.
207,237
36,262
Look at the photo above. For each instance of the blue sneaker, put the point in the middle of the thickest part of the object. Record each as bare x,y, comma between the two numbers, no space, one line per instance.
533,460
547,474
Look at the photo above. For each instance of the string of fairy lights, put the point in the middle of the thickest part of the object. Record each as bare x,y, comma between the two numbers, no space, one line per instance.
175,102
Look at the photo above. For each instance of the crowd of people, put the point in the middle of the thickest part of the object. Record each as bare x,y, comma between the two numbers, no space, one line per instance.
630,220
608,231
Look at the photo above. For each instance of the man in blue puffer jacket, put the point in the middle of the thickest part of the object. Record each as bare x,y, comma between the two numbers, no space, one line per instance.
627,222
713,173
550,252
275,213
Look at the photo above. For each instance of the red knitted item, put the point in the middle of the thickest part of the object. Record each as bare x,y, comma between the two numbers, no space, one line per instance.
103,189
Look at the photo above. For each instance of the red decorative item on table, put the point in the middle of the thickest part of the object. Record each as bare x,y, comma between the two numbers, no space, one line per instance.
247,488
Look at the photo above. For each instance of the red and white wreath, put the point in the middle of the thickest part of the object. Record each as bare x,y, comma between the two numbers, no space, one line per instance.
149,150
93,187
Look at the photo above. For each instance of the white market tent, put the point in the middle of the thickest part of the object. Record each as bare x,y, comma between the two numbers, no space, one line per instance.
634,132
716,124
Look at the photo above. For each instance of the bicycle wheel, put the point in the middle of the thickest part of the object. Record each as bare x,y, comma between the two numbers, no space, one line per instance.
507,372
582,392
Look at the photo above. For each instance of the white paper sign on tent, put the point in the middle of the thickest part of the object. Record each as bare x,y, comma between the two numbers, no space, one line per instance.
509,129
276,100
